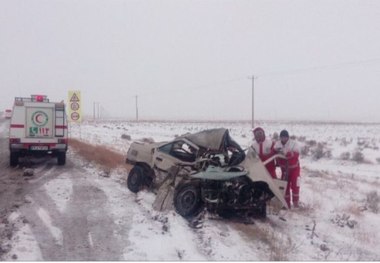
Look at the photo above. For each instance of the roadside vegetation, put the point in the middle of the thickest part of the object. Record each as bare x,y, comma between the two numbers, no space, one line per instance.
100,154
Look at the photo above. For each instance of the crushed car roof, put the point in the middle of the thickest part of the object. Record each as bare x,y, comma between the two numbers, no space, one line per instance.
212,139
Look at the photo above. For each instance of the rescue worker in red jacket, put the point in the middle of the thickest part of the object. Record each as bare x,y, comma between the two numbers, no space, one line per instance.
290,149
264,148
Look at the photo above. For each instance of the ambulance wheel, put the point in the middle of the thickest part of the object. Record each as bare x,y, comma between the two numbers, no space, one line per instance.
61,158
13,159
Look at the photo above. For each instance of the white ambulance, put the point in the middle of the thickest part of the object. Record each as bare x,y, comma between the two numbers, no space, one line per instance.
38,127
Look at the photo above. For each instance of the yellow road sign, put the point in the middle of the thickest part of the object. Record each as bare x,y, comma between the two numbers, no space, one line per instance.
75,108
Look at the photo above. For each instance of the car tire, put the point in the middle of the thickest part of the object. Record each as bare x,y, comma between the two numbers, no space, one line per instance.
135,179
13,159
187,199
261,212
61,158
226,213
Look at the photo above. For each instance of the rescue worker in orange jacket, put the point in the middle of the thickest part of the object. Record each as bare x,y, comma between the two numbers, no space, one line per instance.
290,149
264,148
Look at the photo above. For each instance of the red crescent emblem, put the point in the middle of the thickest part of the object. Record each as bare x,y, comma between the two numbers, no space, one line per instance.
38,118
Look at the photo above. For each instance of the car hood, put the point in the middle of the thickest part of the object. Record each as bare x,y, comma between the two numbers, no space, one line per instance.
257,172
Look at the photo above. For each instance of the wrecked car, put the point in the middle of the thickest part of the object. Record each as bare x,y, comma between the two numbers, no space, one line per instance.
207,169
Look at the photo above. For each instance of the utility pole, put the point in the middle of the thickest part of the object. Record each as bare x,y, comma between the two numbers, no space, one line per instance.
253,100
96,110
137,110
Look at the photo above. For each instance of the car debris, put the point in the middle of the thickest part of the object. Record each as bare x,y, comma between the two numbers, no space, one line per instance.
208,170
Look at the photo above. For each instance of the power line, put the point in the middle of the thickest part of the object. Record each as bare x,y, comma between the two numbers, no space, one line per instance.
214,84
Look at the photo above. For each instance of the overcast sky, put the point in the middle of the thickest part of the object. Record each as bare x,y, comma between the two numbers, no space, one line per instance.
314,60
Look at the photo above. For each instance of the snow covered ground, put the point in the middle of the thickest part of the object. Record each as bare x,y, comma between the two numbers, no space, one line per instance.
339,219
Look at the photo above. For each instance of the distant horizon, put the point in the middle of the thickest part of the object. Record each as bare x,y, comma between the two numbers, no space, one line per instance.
88,118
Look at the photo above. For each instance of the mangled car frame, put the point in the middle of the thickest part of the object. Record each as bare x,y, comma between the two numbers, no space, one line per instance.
207,169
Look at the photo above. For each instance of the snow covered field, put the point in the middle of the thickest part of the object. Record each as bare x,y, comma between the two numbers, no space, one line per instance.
338,148
339,218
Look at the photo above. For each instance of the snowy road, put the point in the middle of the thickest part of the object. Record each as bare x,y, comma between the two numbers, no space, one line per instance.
73,213
63,212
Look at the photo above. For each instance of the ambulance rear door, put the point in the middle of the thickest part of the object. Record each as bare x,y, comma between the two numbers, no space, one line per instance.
39,122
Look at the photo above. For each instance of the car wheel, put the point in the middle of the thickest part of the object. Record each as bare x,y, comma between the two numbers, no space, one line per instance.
261,211
13,159
135,179
61,158
226,213
187,199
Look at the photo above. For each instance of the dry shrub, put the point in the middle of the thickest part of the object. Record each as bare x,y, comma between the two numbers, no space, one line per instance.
305,150
148,140
345,156
302,138
279,247
126,137
98,153
344,142
358,156
320,152
311,143
373,200
344,183
353,209
361,142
